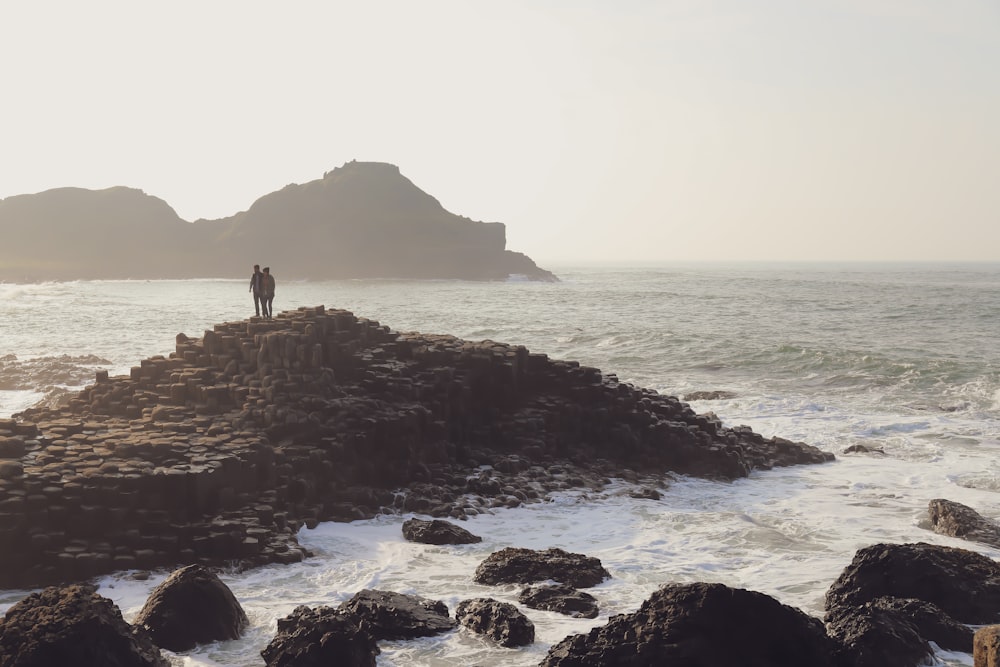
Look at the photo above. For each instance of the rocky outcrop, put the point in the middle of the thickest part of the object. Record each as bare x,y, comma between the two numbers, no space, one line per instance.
514,565
437,531
319,638
965,585
701,625
560,598
72,626
192,606
390,615
221,451
501,622
361,220
957,520
873,635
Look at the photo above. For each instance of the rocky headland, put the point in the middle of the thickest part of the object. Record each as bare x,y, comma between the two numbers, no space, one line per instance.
219,452
361,220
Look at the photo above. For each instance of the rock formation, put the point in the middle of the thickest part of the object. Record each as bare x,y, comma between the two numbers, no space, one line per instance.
560,598
391,615
515,565
72,626
192,606
319,638
701,625
437,531
501,622
957,520
220,451
361,220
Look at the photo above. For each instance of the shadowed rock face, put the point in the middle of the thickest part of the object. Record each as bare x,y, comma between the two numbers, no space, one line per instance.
502,622
72,626
192,606
701,625
221,451
319,638
963,584
958,520
391,615
361,220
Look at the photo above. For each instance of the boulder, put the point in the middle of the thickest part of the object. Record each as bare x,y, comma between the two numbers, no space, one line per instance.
514,565
701,625
964,584
192,606
437,531
319,638
873,636
958,520
391,615
986,647
930,621
560,598
73,625
502,622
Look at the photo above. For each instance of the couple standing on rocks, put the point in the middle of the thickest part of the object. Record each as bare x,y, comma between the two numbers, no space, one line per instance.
262,286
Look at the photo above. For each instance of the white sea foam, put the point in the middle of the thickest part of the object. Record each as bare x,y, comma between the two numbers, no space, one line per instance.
921,387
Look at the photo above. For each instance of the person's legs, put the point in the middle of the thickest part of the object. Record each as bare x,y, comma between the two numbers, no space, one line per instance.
256,304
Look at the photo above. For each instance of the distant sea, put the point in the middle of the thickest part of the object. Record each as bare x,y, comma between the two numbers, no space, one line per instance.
903,358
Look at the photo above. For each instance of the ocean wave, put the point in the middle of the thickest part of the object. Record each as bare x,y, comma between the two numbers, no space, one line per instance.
41,373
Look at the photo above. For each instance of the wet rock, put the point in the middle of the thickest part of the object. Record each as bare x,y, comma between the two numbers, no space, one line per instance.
73,625
873,636
701,625
192,606
437,531
321,637
560,598
716,395
514,565
964,584
863,449
390,615
957,520
930,621
502,622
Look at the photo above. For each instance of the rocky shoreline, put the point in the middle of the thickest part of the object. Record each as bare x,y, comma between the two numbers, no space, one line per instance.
218,453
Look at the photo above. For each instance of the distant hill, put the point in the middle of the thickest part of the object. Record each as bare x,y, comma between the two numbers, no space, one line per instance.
361,220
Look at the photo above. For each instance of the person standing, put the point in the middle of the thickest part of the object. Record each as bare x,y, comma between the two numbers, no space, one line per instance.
257,287
268,293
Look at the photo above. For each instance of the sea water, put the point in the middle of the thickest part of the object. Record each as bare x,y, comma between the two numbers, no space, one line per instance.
901,358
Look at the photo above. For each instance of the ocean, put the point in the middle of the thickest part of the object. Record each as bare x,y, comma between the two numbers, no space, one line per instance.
901,358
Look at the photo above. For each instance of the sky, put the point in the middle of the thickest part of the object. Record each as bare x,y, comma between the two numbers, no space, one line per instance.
793,130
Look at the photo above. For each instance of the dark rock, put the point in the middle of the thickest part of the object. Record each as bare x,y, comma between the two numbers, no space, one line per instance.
73,626
701,625
716,395
437,531
957,520
873,636
964,584
319,638
500,621
863,449
390,615
560,598
192,606
525,566
930,622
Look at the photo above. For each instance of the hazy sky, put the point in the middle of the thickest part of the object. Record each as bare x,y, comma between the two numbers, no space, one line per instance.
625,129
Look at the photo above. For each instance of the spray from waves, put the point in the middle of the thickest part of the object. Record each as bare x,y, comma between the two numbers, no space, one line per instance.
45,372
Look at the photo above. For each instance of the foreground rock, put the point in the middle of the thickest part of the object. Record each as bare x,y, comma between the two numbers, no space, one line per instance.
502,622
872,635
192,606
437,532
957,520
73,626
220,452
514,565
986,647
701,625
319,638
560,598
390,615
963,584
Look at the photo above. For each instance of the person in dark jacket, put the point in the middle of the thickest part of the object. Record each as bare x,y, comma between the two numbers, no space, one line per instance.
257,287
268,299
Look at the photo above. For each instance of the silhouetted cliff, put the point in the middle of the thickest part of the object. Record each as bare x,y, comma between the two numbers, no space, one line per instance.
361,220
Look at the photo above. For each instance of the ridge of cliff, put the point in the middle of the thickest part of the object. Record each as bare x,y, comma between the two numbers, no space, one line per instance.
361,220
